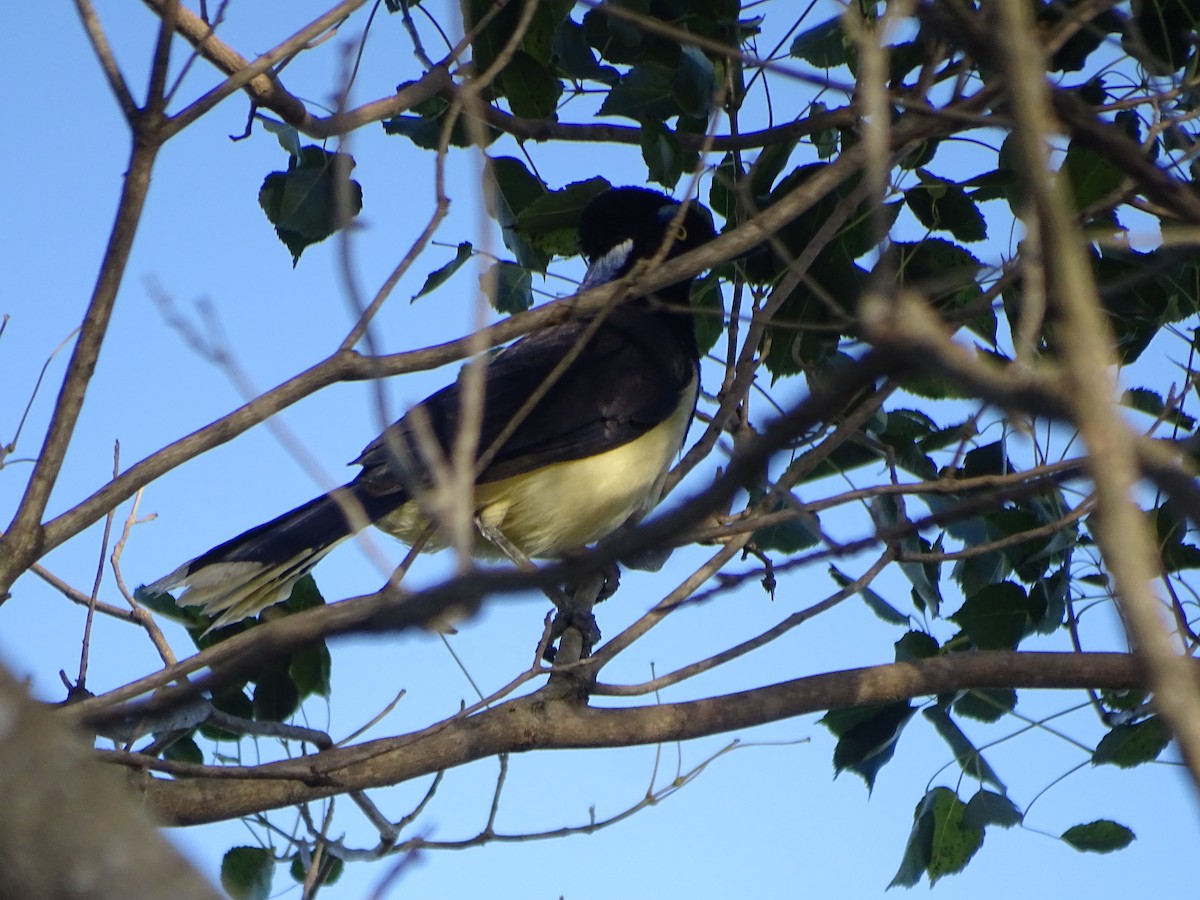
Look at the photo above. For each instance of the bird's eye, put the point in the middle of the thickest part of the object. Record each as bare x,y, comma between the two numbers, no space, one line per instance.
681,233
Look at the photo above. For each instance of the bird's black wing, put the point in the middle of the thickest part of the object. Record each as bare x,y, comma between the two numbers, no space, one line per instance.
633,373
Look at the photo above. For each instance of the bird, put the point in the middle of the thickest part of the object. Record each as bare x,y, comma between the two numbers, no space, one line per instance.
588,455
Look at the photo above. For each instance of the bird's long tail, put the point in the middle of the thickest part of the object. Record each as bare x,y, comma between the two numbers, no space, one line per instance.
258,568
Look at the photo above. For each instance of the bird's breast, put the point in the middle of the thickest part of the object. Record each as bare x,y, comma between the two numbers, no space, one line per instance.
567,505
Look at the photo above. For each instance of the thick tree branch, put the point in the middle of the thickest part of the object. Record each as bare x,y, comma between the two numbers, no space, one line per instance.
68,828
533,723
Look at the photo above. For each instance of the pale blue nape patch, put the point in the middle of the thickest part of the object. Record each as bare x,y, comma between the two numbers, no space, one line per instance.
605,268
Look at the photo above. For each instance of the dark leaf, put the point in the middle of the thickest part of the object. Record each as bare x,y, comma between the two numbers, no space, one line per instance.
722,196
919,848
164,605
916,645
1091,176
1142,292
969,758
1048,599
233,702
708,306
310,669
986,704
646,92
990,459
508,190
440,276
185,750
987,808
996,617
941,843
662,154
694,83
331,869
1127,746
246,873
942,205
1161,34
1073,54
1101,836
276,697
824,45
867,737
792,536
311,200
532,90
875,603
1151,403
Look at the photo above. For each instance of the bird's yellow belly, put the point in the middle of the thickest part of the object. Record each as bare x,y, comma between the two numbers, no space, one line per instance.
566,505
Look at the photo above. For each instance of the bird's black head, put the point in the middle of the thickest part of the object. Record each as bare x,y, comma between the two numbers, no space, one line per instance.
627,224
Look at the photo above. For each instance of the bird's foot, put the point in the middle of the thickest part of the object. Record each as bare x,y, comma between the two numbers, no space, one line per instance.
579,620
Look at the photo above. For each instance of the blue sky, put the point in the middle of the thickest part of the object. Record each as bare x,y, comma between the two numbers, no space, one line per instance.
768,819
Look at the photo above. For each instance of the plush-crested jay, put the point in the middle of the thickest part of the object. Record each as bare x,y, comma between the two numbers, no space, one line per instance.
591,454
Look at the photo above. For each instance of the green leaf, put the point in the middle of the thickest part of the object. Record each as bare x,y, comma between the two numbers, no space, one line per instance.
708,305
185,750
792,536
694,83
310,670
246,873
888,513
990,459
995,618
508,190
164,605
1090,176
919,847
276,696
662,154
965,753
311,200
425,128
441,275
508,286
722,195
1142,292
1123,700
331,869
942,205
233,702
916,645
824,45
1101,836
954,840
532,90
867,737
1048,600
1161,33
1127,746
1152,404
550,222
986,704
941,842
987,808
